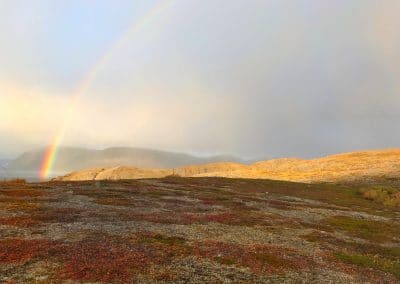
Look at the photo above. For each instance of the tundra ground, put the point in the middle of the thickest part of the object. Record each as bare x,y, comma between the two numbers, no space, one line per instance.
191,230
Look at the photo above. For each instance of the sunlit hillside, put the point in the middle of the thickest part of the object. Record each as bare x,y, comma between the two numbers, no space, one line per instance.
366,166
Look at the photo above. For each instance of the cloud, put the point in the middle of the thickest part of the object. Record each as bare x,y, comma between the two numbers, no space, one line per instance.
254,78
189,122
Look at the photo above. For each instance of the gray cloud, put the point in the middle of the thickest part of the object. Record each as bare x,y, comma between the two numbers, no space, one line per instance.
253,78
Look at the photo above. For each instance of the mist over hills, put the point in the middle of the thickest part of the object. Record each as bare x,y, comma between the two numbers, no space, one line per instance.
72,159
3,162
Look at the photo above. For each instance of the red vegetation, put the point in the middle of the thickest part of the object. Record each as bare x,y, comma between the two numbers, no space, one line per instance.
152,217
19,205
163,249
102,260
227,218
19,251
208,201
44,215
21,193
57,215
108,259
260,259
282,205
238,218
19,221
223,218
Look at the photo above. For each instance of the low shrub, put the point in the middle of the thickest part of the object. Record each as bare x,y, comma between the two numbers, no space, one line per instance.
16,181
261,259
370,261
385,195
378,231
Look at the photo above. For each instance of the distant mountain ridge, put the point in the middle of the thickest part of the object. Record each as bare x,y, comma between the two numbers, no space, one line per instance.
73,159
366,166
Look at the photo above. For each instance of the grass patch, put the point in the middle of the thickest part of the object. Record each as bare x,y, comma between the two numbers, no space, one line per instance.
392,253
163,248
152,238
385,195
369,261
365,229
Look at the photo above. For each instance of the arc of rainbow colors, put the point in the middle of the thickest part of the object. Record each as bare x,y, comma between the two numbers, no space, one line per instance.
51,152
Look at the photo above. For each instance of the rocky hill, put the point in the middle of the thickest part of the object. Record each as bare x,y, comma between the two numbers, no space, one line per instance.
363,165
115,173
355,166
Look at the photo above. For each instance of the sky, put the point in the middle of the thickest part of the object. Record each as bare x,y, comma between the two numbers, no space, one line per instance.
253,78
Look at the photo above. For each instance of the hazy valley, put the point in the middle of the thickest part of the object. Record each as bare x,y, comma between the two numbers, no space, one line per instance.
29,164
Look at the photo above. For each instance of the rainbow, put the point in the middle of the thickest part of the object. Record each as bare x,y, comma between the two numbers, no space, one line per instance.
51,152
